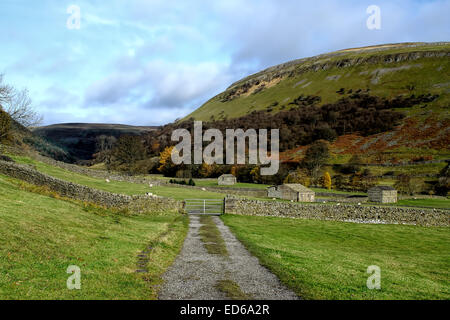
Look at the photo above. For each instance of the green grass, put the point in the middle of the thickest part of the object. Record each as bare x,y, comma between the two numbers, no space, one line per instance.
232,290
118,186
211,237
180,193
41,236
329,260
426,203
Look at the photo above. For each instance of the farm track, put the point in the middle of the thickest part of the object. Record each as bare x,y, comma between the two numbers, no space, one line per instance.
197,274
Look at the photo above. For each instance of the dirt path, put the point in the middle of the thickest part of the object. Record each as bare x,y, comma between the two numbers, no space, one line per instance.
197,274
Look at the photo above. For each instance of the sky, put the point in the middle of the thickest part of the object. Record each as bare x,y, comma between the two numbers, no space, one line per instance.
149,62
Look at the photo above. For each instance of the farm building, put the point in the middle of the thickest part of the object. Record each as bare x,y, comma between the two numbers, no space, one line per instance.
295,192
382,194
226,180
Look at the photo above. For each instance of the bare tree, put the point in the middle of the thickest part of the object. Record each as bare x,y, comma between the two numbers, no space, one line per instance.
105,143
20,108
6,92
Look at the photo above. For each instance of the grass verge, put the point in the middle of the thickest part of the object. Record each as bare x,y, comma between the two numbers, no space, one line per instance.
329,260
232,290
211,237
41,236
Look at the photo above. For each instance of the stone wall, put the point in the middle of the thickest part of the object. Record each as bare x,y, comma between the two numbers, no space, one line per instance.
341,212
100,174
137,204
245,192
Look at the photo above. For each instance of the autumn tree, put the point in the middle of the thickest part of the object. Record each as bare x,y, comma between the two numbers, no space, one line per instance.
167,167
298,176
206,170
255,173
315,157
327,180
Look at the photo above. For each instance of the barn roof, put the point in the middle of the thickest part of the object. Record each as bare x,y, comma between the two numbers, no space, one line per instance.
383,188
298,187
227,175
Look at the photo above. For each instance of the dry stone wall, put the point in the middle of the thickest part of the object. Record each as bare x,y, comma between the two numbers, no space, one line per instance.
342,212
101,174
137,204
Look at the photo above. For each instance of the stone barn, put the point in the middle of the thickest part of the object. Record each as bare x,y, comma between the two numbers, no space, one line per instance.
291,191
226,180
382,194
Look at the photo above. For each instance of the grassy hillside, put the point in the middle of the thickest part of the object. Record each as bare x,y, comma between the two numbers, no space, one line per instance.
41,236
387,71
117,186
398,72
328,260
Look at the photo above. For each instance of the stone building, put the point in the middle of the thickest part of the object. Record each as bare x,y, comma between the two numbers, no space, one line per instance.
382,194
291,191
226,180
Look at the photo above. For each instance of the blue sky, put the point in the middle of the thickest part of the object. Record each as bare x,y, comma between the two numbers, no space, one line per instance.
148,62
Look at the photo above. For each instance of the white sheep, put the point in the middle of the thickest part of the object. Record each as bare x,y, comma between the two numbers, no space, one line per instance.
107,180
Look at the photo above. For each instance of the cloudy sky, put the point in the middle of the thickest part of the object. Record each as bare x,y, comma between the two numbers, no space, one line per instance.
148,62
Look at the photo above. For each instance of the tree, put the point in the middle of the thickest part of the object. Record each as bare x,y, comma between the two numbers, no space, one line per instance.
442,187
404,184
167,167
5,125
327,180
126,153
298,176
6,92
316,156
20,108
255,174
206,170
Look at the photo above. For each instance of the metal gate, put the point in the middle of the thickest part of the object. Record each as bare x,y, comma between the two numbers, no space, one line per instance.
204,206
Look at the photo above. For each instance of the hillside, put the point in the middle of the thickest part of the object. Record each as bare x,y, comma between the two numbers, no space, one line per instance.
390,99
385,71
22,140
80,138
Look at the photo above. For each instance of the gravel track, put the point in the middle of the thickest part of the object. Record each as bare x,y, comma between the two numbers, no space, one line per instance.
195,272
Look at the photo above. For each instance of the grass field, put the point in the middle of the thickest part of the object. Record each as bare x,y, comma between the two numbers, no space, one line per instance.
426,203
180,193
329,260
118,186
41,236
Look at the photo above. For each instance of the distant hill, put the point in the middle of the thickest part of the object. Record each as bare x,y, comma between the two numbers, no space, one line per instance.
80,138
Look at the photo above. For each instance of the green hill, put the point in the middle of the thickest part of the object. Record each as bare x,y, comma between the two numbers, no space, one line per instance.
384,71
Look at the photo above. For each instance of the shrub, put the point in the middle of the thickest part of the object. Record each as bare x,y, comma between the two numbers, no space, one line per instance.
327,180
